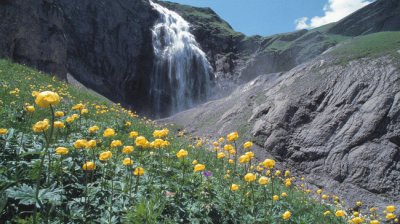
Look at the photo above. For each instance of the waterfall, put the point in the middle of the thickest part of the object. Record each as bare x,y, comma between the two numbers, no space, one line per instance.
182,75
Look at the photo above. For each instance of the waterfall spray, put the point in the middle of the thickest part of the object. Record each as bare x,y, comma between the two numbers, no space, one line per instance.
182,75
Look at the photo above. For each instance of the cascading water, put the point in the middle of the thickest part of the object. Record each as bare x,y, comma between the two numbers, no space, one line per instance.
182,75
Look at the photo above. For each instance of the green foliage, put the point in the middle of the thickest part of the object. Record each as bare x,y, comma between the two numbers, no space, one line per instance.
36,182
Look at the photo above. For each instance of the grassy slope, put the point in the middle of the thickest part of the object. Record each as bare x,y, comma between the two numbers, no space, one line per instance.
195,199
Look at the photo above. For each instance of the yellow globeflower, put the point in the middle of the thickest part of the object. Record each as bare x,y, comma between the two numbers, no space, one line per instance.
139,171
182,154
250,155
115,143
221,155
244,159
84,111
78,106
359,203
288,182
127,149
133,134
357,220
275,197
61,151
30,109
247,145
284,194
286,215
41,126
59,124
93,129
234,187
127,162
59,114
277,173
158,143
89,166
340,213
287,173
221,140
104,156
250,177
232,136
269,163
109,132
215,144
3,131
374,222
324,196
47,98
390,208
326,213
228,147
91,144
142,142
390,216
80,144
195,162
263,180
230,161
199,167
319,191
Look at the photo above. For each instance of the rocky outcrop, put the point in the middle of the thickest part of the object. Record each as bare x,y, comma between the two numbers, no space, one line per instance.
105,45
337,124
382,15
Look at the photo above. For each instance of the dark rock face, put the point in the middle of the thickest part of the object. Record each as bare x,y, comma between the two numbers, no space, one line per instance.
336,124
381,15
31,32
106,45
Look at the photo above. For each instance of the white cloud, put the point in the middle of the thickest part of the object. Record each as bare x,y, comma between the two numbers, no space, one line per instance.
334,10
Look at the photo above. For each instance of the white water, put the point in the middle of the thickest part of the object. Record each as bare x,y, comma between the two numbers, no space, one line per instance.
181,75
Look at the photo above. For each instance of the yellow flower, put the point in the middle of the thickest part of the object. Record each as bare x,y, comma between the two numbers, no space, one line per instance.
104,156
286,215
133,134
324,196
221,155
195,162
215,144
89,166
127,162
128,123
199,167
142,142
374,222
287,173
41,126
234,187
244,159
59,114
275,197
228,147
59,124
84,111
357,220
359,203
78,106
247,145
284,194
109,132
91,144
319,191
61,151
158,143
230,161
47,98
250,177
35,93
182,154
269,163
232,152
139,171
115,143
340,213
3,131
391,208
80,144
221,139
250,155
127,149
30,109
263,180
277,173
160,133
326,213
232,136
93,129
199,143
390,216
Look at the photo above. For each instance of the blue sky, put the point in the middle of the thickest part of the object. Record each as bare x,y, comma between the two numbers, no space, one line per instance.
266,17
